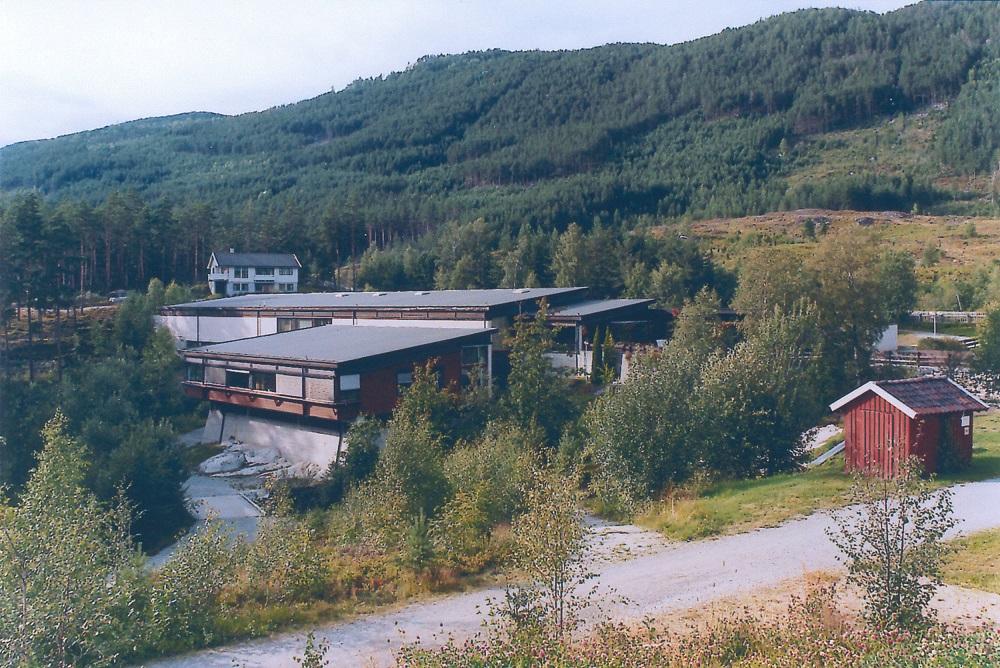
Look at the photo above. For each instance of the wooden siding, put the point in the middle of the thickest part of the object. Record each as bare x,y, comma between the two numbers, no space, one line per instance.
878,436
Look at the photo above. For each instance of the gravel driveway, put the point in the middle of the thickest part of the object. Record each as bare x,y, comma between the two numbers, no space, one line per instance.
654,576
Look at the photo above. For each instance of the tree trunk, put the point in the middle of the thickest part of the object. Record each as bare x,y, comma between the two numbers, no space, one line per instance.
31,358
58,337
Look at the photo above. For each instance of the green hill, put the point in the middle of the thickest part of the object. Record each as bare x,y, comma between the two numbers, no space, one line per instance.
779,114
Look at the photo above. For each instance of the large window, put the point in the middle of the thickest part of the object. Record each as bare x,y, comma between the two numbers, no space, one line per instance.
264,271
241,272
262,381
195,372
286,271
349,388
236,378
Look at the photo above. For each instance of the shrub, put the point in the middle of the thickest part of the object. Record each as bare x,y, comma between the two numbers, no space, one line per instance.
891,540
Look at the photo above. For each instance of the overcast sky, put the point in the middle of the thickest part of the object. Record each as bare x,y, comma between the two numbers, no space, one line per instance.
72,65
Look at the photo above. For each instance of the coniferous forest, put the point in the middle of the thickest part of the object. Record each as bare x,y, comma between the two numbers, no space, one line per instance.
461,156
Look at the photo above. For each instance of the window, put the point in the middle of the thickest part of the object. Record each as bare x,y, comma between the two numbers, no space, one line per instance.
195,373
286,324
286,271
349,388
236,378
286,287
241,272
319,322
264,271
404,379
241,287
262,381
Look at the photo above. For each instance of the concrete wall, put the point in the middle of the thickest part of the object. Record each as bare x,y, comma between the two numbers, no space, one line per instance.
298,444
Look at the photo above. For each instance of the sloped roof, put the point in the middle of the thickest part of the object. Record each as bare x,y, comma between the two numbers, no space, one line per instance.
927,395
227,259
337,344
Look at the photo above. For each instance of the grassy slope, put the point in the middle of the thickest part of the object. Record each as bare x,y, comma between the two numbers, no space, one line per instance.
741,505
976,562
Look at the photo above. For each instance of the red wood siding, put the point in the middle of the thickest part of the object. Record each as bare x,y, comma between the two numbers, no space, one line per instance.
878,436
378,388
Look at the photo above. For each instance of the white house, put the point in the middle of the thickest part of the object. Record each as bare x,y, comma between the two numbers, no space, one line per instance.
231,273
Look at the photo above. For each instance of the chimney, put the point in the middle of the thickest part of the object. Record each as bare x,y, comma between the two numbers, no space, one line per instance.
232,250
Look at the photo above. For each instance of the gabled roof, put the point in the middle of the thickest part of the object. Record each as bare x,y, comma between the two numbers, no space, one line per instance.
927,395
227,259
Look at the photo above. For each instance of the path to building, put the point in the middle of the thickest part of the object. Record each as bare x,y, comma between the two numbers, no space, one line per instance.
220,499
655,577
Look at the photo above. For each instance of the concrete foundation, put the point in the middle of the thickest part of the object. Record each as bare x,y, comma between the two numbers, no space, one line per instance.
299,444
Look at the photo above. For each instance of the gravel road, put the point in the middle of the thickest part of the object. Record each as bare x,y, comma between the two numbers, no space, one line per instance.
652,575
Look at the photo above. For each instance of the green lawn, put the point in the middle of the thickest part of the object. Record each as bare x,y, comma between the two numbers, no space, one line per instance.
976,562
741,505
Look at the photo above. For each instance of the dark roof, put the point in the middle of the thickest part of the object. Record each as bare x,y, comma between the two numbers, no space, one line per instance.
337,344
593,307
927,395
413,299
227,259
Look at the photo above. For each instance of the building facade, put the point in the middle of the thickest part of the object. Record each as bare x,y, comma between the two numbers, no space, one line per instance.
231,273
886,422
299,391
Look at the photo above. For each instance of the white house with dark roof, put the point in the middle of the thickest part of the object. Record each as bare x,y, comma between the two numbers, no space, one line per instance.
231,273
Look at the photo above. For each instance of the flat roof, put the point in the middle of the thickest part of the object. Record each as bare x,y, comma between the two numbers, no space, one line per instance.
597,306
338,344
410,299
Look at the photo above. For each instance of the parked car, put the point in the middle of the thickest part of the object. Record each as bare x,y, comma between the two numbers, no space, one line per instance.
117,296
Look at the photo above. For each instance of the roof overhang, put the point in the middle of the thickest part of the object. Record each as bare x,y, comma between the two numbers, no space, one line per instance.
872,386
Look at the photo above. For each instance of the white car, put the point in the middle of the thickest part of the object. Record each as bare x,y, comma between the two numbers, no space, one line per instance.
117,296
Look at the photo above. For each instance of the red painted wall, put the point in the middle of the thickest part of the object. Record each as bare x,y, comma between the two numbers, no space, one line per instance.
378,387
878,436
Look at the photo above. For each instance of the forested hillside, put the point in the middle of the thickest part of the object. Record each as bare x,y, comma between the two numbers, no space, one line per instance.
726,125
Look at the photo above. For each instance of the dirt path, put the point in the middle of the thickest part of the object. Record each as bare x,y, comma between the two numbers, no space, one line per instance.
654,576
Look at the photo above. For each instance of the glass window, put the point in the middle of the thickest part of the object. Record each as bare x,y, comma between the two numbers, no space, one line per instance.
473,355
237,378
195,373
286,324
350,387
264,271
319,322
241,272
262,381
404,379
285,271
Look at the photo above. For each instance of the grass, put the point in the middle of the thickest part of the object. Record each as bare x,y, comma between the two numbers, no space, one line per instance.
741,505
976,562
734,506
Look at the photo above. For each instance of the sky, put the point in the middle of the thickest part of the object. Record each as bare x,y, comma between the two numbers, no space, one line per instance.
68,65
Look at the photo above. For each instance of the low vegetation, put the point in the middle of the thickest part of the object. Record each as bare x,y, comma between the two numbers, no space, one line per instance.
896,569
975,562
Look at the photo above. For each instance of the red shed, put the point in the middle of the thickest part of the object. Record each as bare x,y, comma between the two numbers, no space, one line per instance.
887,421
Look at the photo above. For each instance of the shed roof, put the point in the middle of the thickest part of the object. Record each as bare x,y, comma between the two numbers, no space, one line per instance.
337,344
428,299
227,259
592,307
927,395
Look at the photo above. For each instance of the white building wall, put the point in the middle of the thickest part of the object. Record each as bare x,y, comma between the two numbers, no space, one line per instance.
219,329
889,341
